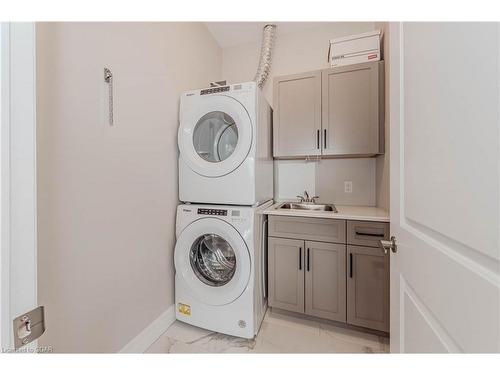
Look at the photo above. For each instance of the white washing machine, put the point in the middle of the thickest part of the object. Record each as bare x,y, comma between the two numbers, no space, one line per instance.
225,146
220,264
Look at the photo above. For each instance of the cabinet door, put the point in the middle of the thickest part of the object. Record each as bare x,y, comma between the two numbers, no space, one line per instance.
297,115
353,110
368,288
286,274
325,280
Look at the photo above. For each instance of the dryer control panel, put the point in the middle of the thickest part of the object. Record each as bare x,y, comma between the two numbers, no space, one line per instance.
212,211
214,90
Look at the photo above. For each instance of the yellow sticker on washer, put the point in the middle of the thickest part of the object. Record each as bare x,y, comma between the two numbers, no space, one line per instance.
184,309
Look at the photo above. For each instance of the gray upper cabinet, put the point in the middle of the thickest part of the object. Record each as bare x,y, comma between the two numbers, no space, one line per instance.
333,112
368,288
286,274
297,115
352,110
325,280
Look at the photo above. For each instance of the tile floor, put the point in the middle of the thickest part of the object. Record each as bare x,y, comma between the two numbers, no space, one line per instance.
279,333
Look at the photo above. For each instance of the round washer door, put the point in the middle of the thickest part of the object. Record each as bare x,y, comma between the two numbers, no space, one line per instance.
213,261
215,137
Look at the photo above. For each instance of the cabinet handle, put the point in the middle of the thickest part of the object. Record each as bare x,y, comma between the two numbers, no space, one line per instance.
324,139
307,259
317,139
369,234
350,265
300,258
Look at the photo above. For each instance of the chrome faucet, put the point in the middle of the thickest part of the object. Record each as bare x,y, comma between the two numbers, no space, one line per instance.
305,198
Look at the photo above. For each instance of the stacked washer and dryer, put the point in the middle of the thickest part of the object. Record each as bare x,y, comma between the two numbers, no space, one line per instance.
225,184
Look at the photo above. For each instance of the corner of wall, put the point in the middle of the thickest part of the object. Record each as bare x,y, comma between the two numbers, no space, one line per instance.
146,338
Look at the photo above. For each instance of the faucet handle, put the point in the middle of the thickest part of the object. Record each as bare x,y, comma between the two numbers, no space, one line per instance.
313,199
301,198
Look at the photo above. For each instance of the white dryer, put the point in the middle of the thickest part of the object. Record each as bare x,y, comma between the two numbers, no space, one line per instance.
225,146
220,268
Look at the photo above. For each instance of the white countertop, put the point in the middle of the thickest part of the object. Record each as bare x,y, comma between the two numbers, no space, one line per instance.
344,212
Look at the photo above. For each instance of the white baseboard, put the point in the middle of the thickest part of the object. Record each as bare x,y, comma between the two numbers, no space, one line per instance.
151,333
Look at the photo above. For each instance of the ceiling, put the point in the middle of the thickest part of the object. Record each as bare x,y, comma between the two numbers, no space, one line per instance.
229,34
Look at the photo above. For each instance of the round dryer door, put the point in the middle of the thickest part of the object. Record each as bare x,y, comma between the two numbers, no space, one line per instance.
213,261
215,136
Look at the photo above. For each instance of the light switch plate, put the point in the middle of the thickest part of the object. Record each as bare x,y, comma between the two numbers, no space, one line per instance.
348,187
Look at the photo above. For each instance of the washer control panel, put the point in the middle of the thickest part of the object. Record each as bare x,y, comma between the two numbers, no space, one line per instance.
212,211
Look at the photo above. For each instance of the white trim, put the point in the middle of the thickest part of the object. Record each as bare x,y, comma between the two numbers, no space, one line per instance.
395,78
18,173
434,325
151,333
5,339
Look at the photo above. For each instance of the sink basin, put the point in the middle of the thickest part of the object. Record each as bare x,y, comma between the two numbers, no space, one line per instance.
308,206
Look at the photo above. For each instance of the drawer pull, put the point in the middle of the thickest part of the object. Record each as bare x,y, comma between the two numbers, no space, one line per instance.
370,234
300,258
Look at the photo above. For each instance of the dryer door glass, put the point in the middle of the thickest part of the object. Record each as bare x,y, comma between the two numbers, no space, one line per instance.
213,260
215,136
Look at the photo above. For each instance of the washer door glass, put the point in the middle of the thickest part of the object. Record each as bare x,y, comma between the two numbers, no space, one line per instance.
213,260
215,136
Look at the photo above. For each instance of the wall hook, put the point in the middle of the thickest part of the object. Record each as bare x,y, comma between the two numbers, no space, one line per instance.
108,78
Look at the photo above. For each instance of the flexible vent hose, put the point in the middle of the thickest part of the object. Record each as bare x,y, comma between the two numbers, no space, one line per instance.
265,55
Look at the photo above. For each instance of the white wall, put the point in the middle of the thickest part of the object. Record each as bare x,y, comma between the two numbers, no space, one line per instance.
326,179
107,196
294,53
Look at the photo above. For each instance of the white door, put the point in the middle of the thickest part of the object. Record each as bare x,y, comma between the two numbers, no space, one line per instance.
215,134
212,261
445,283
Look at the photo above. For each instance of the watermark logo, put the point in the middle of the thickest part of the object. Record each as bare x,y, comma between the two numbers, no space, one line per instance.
40,349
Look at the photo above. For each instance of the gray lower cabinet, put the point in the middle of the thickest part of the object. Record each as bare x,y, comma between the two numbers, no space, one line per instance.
366,233
307,277
286,274
324,230
343,277
325,281
368,288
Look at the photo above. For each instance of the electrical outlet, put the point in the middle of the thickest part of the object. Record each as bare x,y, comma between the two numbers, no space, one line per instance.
348,187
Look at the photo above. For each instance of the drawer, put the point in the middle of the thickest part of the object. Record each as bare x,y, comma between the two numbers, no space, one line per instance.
314,229
366,233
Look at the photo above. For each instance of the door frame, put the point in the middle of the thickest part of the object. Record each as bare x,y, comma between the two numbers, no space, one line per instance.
18,236
395,83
